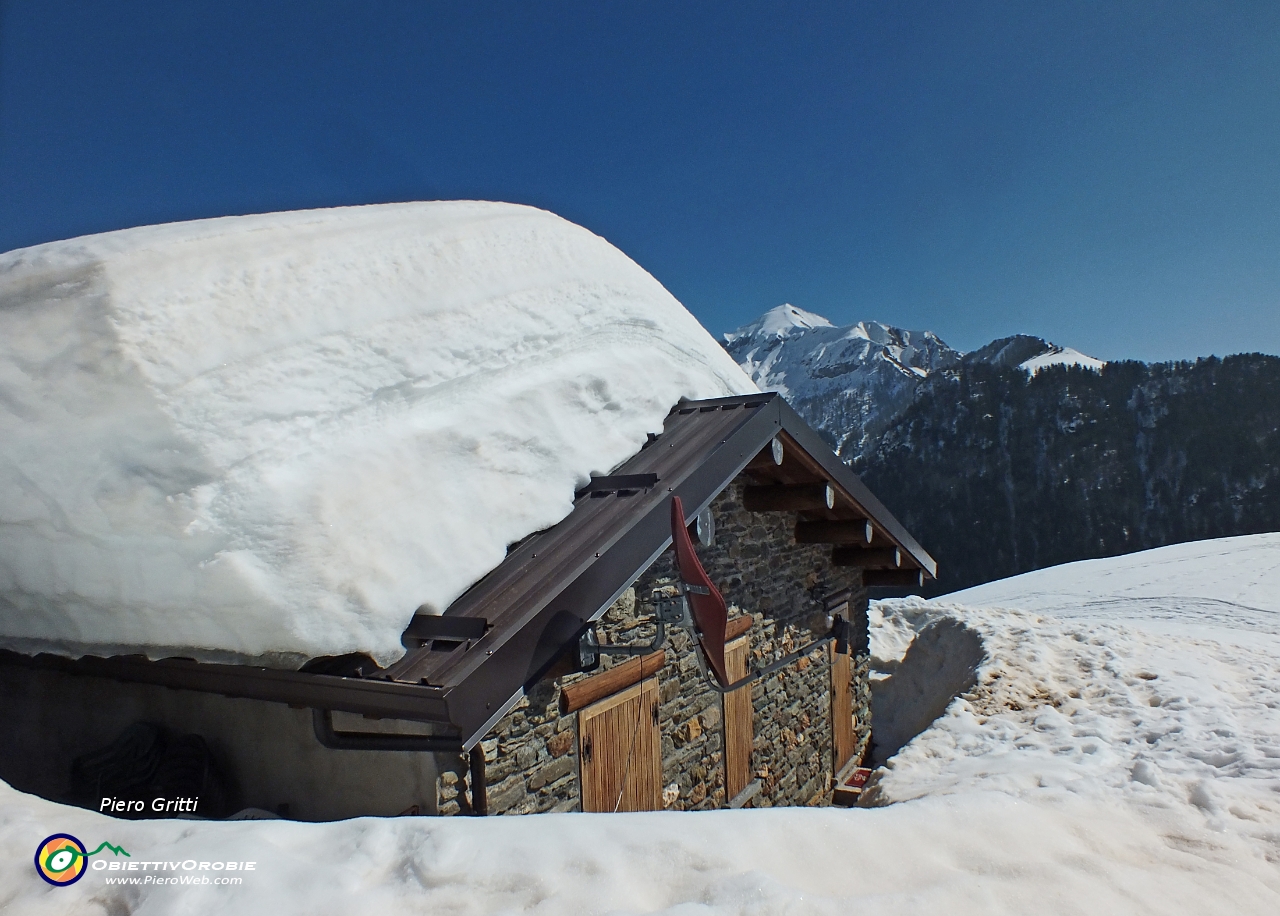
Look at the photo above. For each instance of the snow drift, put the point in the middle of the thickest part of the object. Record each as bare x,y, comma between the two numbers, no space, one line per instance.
274,437
941,662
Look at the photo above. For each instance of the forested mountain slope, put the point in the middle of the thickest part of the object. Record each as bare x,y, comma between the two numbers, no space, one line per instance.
998,471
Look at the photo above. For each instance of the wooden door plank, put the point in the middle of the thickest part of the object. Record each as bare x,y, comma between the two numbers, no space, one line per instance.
619,751
739,731
842,733
645,782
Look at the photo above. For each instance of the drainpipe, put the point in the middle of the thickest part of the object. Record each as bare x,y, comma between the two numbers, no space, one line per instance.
479,788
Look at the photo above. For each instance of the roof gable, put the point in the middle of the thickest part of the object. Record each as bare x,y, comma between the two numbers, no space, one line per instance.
558,581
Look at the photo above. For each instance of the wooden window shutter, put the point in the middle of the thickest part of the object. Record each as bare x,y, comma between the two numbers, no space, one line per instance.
620,751
739,729
842,735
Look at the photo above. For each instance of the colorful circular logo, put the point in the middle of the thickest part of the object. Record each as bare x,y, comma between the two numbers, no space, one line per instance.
61,859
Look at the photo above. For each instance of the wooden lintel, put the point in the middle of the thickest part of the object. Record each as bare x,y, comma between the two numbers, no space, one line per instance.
896,578
843,532
867,557
607,683
737,627
789,498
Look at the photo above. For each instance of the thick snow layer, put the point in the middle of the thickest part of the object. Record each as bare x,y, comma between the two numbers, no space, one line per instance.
977,855
1099,763
276,436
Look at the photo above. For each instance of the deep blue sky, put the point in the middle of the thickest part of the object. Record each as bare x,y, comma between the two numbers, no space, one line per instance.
1103,174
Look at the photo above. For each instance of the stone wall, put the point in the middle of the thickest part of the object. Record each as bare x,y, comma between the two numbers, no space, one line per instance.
531,763
761,571
531,754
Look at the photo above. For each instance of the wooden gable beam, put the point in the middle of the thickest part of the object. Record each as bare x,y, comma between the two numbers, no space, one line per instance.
857,531
867,557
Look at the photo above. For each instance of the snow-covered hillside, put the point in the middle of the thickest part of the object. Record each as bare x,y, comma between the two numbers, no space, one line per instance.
852,382
1149,679
1227,588
1114,750
1061,356
1031,354
276,436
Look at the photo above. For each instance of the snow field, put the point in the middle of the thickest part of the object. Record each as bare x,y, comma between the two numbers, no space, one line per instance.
1226,589
1108,758
981,853
1106,710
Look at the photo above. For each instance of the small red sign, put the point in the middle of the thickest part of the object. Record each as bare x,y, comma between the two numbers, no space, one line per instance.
858,778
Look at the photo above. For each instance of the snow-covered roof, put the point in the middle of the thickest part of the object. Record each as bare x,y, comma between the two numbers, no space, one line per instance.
274,437
465,670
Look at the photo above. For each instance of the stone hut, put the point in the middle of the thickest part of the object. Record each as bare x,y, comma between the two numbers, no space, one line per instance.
571,677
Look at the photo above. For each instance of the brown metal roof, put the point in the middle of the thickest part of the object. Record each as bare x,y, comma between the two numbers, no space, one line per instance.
556,582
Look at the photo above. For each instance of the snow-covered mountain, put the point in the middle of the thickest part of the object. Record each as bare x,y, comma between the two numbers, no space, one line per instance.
999,467
852,382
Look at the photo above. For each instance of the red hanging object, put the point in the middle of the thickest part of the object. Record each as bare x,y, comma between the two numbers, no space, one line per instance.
705,600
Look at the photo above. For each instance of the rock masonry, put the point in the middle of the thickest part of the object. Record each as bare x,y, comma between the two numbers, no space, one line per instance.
531,755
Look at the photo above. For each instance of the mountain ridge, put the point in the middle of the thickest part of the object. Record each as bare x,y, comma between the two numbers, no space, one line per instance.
1024,454
854,381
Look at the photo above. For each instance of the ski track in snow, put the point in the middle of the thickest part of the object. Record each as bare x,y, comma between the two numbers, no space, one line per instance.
1105,758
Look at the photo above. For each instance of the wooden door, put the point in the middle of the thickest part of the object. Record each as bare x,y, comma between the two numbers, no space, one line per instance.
739,730
620,751
842,734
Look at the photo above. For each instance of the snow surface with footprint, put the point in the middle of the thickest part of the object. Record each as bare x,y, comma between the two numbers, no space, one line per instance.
274,437
1115,749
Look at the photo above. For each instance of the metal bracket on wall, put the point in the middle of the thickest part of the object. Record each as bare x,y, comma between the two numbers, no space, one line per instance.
839,634
590,648
672,611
